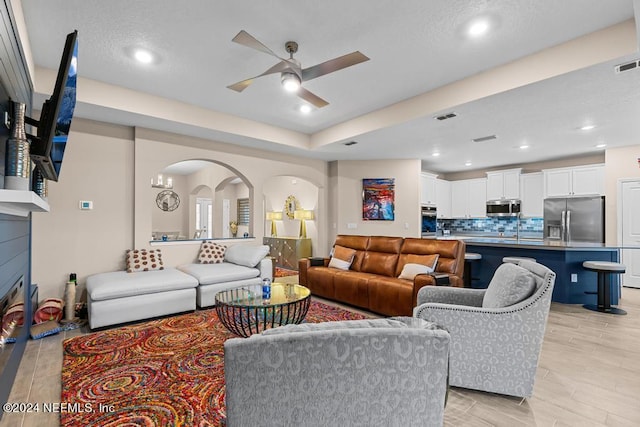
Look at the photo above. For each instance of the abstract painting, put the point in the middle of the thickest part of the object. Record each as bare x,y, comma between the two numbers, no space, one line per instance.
378,199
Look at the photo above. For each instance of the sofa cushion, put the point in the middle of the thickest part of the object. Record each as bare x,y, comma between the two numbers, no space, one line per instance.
342,253
120,284
143,260
338,263
380,263
320,280
208,274
410,270
246,255
211,253
359,243
430,261
510,284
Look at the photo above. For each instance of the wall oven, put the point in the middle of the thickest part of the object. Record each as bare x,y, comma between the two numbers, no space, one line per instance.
428,219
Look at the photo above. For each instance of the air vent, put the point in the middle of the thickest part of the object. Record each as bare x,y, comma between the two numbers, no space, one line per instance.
628,66
485,138
350,143
446,116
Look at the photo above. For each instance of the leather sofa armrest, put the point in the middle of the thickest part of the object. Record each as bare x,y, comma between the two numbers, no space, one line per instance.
305,263
303,266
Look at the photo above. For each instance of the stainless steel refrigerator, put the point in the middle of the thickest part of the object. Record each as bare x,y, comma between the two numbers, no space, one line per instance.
577,219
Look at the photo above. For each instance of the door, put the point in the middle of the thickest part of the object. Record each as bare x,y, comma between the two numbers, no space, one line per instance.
204,218
585,219
631,233
554,214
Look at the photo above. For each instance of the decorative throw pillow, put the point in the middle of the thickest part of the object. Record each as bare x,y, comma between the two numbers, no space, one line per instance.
144,260
247,255
341,257
510,285
410,271
211,253
339,264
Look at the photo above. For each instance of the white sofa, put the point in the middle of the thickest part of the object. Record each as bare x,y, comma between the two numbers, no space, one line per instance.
118,296
243,265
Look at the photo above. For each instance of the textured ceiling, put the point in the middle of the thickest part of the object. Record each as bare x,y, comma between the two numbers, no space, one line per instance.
415,46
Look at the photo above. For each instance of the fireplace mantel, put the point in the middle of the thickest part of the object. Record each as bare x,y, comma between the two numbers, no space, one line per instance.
21,203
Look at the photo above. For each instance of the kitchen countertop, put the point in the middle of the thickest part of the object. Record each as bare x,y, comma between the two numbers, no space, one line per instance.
527,243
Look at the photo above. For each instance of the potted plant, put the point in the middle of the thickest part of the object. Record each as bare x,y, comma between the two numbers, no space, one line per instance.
233,226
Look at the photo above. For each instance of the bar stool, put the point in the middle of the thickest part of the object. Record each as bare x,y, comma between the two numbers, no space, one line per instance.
604,269
517,259
469,258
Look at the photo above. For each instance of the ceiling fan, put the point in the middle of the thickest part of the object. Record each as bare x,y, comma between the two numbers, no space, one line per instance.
291,72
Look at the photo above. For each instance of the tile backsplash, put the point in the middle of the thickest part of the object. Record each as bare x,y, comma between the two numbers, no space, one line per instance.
492,225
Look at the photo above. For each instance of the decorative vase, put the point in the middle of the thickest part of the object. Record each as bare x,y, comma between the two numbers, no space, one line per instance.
39,184
17,159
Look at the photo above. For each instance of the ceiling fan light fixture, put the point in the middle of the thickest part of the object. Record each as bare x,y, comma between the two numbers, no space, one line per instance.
290,82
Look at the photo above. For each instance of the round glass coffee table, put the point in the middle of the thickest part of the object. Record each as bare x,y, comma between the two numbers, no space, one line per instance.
244,312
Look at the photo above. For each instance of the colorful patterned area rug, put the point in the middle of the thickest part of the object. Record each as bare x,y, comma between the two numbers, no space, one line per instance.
284,272
167,372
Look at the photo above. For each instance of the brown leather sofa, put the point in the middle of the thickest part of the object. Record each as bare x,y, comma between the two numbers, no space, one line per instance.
372,279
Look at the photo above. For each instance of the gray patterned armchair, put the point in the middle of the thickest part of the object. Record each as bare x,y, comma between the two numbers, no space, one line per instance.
362,372
496,333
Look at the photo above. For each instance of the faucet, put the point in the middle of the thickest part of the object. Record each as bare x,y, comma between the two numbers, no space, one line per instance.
518,227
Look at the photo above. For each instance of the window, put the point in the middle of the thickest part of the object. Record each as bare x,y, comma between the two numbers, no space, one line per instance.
243,211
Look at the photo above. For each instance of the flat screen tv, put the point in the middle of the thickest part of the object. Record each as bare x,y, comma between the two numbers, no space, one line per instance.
47,148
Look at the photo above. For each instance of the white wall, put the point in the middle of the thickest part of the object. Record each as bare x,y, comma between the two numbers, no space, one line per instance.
619,163
98,166
346,178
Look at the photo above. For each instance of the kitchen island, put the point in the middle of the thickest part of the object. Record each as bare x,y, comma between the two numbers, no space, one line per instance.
565,258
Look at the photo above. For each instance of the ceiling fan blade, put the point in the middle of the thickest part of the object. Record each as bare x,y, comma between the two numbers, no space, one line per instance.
248,40
332,65
278,68
311,98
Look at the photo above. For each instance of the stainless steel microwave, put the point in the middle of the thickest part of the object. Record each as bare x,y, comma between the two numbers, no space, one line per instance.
503,207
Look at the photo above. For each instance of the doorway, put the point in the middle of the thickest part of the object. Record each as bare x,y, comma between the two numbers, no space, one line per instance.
629,202
204,218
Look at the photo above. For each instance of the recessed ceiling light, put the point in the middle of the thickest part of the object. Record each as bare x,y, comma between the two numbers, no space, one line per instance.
478,28
601,145
436,154
524,146
467,163
587,127
143,56
305,108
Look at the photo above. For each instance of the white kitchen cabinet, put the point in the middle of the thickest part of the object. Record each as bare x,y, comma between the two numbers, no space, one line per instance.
532,192
575,181
469,198
443,198
427,189
503,184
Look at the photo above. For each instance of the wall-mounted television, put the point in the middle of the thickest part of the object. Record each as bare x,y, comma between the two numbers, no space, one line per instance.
47,148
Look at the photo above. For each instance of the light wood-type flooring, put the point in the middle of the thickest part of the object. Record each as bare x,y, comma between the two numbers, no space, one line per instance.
588,375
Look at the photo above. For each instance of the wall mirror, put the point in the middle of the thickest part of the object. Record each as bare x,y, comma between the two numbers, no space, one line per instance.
290,206
167,200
